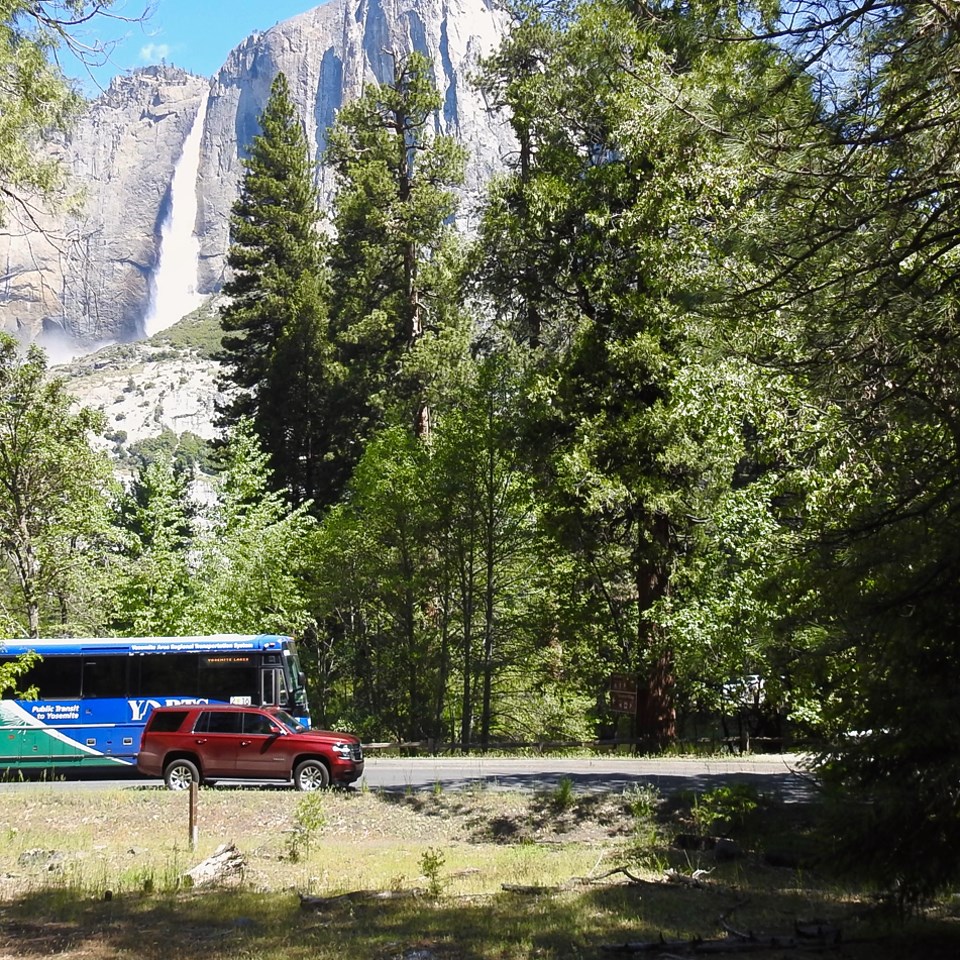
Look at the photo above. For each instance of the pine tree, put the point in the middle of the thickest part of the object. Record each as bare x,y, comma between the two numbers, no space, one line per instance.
390,262
274,324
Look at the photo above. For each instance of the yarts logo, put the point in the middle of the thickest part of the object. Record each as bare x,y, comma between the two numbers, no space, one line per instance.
140,708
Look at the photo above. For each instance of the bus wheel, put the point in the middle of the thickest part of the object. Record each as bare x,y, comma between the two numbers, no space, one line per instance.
311,775
179,774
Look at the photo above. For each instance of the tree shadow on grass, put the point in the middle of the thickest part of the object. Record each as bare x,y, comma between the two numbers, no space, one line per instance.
582,921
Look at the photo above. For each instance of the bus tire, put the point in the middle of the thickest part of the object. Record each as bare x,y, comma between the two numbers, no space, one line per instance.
311,775
179,774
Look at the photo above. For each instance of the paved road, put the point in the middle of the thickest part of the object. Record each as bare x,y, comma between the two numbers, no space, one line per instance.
781,774
772,774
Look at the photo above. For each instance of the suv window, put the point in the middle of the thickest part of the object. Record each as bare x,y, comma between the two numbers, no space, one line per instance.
257,723
167,722
215,721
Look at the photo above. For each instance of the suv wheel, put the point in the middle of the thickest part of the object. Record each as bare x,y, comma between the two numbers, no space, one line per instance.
311,775
179,774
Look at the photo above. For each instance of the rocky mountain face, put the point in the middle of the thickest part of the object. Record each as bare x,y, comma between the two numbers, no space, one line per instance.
86,278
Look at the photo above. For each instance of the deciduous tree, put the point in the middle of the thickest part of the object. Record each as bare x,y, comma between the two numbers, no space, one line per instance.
54,488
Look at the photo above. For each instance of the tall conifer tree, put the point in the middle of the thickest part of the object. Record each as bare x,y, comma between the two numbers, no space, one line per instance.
274,324
389,266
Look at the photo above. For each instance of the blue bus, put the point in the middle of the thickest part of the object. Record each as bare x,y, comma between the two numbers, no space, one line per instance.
91,696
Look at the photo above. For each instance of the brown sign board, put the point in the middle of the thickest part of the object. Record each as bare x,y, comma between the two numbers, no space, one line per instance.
623,702
623,693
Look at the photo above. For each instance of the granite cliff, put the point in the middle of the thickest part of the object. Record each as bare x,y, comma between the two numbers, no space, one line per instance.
87,278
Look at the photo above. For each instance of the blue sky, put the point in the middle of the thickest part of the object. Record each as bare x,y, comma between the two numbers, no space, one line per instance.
194,34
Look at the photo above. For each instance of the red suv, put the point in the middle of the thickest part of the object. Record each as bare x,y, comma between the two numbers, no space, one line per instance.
202,742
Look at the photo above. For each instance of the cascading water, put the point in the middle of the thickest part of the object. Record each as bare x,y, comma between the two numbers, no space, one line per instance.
173,284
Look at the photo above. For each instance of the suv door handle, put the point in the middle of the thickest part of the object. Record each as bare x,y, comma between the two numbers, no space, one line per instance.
200,740
244,743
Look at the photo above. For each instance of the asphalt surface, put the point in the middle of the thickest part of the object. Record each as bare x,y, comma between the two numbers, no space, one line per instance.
782,775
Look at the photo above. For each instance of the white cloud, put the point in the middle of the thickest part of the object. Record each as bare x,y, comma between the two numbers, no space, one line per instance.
154,52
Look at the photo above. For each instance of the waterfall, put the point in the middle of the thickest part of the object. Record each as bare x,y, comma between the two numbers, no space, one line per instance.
173,284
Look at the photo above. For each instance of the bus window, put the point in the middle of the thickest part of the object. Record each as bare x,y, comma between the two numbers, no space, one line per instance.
105,677
222,683
56,678
168,675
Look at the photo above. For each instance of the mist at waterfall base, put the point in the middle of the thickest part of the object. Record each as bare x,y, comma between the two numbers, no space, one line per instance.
173,284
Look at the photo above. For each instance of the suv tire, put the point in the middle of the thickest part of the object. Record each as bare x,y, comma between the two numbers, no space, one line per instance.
179,774
311,775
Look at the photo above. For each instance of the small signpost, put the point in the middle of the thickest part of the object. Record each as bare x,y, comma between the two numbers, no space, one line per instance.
623,694
194,825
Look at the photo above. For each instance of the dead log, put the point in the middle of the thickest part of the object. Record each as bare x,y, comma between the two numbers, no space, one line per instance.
529,889
227,864
327,903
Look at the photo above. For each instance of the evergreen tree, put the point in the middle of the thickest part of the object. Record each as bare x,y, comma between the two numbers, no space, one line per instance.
853,293
274,344
156,587
605,211
391,305
253,556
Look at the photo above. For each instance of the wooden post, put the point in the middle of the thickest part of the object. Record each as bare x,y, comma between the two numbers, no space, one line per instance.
194,826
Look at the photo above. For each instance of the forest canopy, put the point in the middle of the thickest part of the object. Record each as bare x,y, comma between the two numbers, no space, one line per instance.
684,409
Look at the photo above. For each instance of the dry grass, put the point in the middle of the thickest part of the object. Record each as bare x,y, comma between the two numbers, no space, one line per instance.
97,874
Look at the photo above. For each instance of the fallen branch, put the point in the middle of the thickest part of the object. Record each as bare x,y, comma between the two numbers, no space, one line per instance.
689,880
529,889
611,873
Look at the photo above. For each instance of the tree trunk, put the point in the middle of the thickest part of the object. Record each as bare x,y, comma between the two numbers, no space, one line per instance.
656,712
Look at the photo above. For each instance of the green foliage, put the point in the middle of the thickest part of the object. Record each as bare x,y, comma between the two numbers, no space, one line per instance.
564,796
274,344
848,288
12,670
432,862
240,564
156,587
309,819
393,310
35,97
594,252
253,566
186,450
198,332
54,495
643,802
725,807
